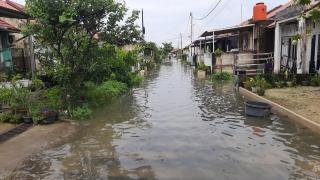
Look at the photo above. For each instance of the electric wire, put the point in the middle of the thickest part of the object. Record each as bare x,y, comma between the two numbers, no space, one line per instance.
215,7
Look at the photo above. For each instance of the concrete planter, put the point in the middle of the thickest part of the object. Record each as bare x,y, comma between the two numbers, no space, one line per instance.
201,74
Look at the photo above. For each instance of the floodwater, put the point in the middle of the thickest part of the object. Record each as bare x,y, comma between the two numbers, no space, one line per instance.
178,127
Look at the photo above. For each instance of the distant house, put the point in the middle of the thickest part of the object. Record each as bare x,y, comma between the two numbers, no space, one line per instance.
14,49
297,41
244,45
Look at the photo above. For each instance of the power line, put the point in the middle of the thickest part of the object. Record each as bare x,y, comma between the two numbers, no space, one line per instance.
204,17
225,5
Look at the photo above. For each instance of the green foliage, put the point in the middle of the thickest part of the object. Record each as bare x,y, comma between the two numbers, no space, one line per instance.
5,95
36,84
315,81
259,82
202,67
53,98
155,51
81,113
218,53
3,77
166,49
125,33
98,95
223,76
303,2
136,79
315,15
65,32
8,117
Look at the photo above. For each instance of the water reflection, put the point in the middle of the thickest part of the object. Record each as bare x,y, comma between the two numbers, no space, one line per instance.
178,127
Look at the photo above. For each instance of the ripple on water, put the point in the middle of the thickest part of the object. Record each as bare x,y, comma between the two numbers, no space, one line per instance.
178,127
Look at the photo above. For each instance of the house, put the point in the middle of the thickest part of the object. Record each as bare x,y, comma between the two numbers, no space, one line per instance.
247,46
297,41
14,48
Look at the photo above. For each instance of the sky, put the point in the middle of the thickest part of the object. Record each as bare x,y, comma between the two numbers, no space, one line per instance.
166,19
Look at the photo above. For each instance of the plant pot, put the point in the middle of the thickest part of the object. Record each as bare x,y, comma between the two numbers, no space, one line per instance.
254,89
7,85
247,86
24,83
201,74
290,84
27,119
50,117
261,92
305,83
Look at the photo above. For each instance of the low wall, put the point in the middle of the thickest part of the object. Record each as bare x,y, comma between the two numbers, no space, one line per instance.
282,111
225,63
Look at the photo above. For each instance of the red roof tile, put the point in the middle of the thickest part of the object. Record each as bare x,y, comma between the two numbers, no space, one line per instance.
7,4
6,26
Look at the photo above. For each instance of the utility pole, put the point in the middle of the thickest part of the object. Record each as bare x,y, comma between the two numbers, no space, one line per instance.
143,28
241,12
191,32
191,20
181,41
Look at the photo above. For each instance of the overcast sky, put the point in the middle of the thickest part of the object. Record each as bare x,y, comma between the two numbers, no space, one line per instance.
166,19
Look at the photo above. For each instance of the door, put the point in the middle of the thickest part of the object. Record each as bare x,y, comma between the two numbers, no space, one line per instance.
312,62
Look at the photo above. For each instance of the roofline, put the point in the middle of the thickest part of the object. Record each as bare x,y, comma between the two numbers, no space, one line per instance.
229,28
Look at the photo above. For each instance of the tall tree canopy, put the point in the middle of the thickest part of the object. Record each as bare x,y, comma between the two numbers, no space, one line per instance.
65,30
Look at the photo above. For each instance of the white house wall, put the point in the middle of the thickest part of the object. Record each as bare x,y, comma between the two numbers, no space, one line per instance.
283,30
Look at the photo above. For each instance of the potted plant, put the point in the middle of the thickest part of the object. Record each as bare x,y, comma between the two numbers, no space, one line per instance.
5,96
51,105
202,70
261,85
218,53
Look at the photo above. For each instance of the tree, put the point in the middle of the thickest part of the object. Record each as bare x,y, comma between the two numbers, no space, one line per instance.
167,48
128,33
64,31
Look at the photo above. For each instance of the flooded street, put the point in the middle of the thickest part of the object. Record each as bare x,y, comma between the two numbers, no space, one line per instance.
178,127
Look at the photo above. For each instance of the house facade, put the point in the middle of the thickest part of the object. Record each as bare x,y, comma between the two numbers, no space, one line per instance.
251,43
297,41
15,50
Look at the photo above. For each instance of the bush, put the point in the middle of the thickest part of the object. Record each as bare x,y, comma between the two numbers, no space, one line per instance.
315,81
261,82
98,95
203,67
223,76
36,84
81,113
136,80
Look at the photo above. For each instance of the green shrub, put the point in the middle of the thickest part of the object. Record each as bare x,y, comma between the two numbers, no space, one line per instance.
136,80
53,98
37,84
261,82
98,95
5,95
202,67
81,113
315,81
223,76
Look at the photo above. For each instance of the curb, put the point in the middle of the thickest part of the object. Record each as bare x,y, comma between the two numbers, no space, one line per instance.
282,111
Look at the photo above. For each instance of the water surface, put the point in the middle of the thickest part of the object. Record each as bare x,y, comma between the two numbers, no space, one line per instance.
178,127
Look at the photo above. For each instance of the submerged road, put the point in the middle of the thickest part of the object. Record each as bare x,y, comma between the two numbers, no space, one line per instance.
177,127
